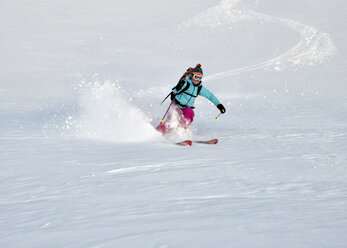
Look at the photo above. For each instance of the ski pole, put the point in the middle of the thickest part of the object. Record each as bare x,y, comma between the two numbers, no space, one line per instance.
165,98
216,118
162,119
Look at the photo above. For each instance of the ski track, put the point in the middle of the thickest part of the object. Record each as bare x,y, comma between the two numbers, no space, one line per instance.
312,47
135,169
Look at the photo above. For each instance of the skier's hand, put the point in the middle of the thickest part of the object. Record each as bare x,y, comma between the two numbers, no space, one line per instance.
172,96
221,108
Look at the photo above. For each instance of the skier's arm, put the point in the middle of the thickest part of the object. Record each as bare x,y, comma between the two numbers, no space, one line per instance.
208,94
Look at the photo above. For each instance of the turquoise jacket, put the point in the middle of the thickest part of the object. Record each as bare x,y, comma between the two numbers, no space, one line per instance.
187,98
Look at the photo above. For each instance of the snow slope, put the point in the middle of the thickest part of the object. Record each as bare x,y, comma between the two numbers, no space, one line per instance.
80,88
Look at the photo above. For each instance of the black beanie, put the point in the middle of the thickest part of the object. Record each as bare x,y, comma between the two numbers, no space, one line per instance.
197,69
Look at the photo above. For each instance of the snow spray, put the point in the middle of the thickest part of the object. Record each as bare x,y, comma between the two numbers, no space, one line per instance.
107,114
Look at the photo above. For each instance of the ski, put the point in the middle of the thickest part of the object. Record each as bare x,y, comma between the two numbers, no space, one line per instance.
184,143
189,142
208,142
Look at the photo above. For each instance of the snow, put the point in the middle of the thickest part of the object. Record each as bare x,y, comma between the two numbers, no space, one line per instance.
80,90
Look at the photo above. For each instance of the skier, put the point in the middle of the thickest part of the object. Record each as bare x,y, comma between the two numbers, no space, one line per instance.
183,97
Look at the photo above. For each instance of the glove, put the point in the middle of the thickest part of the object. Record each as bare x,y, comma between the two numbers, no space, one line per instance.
172,96
221,108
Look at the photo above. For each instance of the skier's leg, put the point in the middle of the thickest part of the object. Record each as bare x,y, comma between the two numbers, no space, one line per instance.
188,117
171,117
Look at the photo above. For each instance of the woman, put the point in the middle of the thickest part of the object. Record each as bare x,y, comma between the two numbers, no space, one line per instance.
183,96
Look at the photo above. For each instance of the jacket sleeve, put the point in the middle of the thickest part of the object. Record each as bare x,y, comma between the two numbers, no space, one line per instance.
206,93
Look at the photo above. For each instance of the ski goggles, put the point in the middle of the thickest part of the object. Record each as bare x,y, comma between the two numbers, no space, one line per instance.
197,76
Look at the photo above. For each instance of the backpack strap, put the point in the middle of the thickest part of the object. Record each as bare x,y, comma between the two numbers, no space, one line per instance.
179,86
199,89
185,88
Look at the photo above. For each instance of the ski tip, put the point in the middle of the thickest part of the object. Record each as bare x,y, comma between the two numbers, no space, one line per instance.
184,143
213,141
209,142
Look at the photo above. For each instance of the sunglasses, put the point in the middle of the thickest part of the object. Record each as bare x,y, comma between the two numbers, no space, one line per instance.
197,77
